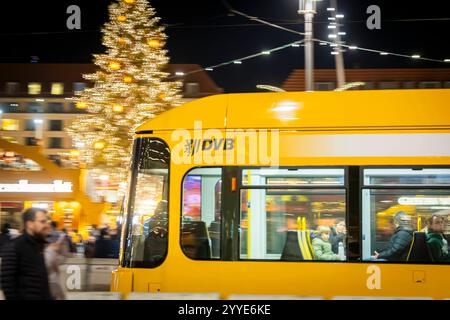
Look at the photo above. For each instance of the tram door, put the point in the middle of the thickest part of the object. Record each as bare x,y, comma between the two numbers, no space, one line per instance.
201,218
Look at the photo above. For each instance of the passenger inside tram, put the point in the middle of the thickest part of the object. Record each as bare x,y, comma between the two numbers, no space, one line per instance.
400,242
338,233
322,245
436,241
155,245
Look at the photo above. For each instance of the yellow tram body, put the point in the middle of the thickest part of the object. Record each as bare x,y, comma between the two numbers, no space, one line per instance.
364,129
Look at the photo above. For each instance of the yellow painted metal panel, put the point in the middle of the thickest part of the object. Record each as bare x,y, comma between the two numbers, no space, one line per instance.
308,110
211,111
342,126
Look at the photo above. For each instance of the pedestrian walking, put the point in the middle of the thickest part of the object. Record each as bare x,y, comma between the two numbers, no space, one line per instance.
23,272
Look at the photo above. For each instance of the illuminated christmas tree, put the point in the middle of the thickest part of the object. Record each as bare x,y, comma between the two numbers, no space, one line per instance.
129,88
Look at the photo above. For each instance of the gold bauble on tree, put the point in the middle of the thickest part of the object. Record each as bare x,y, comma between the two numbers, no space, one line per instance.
154,43
128,79
121,18
129,1
121,41
99,145
117,107
74,153
81,105
114,65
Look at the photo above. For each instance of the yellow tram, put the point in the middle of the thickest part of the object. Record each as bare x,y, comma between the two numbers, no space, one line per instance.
227,194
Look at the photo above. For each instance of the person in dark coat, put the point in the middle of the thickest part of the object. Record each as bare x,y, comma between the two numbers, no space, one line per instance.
24,273
400,242
104,245
68,240
5,237
155,244
436,241
337,235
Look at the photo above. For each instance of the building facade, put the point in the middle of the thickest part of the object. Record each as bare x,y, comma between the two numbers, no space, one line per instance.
35,100
35,105
325,79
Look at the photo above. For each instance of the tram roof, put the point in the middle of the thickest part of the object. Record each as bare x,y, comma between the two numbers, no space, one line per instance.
344,110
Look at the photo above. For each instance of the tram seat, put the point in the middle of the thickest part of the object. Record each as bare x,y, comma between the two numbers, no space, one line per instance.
155,243
419,250
195,240
155,250
214,233
292,250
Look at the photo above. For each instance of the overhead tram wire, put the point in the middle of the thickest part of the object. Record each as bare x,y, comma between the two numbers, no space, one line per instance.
351,47
239,60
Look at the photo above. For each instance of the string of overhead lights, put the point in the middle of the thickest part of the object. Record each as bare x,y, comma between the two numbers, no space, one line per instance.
294,44
336,34
325,42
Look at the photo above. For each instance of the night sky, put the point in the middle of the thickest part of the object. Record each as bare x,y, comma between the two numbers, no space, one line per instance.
203,32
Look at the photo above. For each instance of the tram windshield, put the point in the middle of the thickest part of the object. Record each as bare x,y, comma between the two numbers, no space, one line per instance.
147,220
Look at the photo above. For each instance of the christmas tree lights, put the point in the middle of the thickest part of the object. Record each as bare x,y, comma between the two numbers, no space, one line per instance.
129,88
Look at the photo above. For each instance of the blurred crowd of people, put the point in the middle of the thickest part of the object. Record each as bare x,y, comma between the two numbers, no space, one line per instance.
31,260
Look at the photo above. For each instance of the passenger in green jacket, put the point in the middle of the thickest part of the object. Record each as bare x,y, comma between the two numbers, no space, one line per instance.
322,245
435,239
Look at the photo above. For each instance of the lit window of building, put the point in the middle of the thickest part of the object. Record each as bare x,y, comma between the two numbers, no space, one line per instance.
30,125
55,125
79,86
12,87
10,124
57,88
55,143
35,107
10,107
30,141
55,107
34,88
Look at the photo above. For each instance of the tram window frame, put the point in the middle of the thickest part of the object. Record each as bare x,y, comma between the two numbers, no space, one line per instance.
129,201
363,186
345,187
221,237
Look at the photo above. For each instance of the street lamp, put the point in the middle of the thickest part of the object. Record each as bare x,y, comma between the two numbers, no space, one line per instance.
338,53
308,9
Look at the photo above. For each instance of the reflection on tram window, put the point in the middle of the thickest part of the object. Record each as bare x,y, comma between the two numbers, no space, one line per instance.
294,176
201,216
146,243
282,224
395,220
396,177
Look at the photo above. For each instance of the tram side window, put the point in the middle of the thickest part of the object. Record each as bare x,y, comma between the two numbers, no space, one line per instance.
406,224
147,221
201,215
293,214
